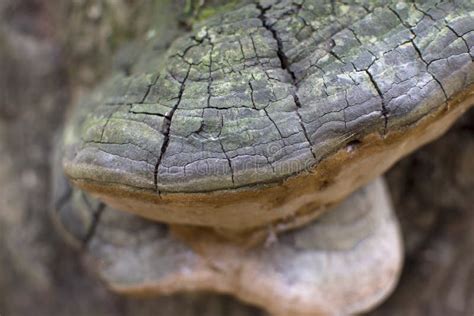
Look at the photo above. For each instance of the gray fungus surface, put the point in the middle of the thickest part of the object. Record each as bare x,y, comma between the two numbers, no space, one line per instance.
267,90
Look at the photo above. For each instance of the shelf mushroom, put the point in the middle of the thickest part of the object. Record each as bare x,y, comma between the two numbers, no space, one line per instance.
345,262
262,118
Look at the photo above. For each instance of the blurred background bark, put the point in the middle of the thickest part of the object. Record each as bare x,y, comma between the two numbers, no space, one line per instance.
52,51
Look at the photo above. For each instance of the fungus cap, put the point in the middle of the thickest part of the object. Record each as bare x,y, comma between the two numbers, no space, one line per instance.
272,113
344,263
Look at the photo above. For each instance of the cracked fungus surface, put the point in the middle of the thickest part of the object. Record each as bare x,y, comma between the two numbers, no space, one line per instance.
269,89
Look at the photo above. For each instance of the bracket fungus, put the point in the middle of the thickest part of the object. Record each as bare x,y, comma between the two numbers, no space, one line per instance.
345,262
260,119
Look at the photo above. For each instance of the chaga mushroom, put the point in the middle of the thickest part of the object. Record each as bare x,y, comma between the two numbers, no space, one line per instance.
260,119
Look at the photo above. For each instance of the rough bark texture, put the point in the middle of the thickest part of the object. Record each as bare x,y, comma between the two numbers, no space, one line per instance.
40,275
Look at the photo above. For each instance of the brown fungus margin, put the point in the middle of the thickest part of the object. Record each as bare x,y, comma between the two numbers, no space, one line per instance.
293,201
